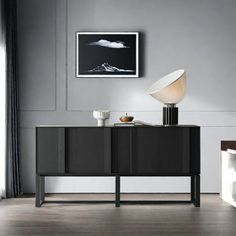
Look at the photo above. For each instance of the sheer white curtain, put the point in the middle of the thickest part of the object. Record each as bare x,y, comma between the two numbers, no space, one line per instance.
2,103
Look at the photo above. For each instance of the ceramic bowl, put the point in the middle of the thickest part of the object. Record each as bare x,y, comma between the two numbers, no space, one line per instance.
126,118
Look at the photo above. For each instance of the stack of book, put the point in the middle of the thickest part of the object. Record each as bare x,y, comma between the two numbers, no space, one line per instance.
132,123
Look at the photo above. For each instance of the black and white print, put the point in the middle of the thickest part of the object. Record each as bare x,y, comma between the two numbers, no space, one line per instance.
107,54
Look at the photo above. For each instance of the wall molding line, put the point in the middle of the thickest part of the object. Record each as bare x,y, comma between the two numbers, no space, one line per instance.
66,57
143,111
55,54
180,111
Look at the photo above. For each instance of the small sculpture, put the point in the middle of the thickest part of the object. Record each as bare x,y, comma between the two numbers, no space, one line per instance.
101,116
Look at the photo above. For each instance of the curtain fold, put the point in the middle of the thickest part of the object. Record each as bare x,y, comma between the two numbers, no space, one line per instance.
13,181
2,100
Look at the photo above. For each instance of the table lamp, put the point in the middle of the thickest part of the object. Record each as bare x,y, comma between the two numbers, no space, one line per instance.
170,90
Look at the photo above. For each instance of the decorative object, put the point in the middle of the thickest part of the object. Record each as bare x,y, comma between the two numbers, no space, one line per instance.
228,172
101,116
170,90
126,118
107,54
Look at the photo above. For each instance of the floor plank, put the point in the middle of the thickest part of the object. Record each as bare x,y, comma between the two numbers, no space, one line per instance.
214,217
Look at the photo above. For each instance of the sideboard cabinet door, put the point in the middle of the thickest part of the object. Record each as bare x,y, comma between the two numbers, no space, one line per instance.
121,150
88,150
50,150
161,150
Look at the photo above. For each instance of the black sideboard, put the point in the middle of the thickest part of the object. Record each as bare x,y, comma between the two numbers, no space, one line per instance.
118,151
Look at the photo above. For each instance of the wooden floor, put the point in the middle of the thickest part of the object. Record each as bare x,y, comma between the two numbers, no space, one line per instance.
20,217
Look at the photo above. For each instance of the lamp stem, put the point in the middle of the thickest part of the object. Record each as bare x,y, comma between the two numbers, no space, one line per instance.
170,114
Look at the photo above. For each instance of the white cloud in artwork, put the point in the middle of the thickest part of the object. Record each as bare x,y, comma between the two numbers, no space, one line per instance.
109,44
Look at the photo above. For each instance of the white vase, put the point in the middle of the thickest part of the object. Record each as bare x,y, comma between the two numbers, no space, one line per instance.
101,116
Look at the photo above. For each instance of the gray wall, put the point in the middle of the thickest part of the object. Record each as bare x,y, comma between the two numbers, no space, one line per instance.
196,35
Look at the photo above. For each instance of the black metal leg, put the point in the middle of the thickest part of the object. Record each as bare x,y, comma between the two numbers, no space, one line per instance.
197,191
117,191
192,188
37,191
42,188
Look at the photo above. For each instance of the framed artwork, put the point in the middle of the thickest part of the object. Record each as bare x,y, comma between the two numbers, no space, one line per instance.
107,54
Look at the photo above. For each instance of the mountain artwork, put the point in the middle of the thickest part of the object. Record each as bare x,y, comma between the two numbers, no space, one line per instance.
107,54
108,68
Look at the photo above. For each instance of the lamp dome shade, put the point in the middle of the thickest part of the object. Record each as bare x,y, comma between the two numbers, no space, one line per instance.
170,89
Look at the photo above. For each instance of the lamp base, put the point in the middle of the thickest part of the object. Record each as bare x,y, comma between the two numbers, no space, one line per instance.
170,115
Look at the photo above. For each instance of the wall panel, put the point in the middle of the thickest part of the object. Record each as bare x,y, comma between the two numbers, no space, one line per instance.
37,54
196,35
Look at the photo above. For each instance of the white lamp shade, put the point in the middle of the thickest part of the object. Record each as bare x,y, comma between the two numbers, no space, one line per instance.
170,89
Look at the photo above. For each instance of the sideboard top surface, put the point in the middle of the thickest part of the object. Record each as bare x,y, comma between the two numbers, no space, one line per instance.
112,126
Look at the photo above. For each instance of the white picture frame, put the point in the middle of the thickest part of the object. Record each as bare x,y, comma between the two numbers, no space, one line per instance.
107,54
